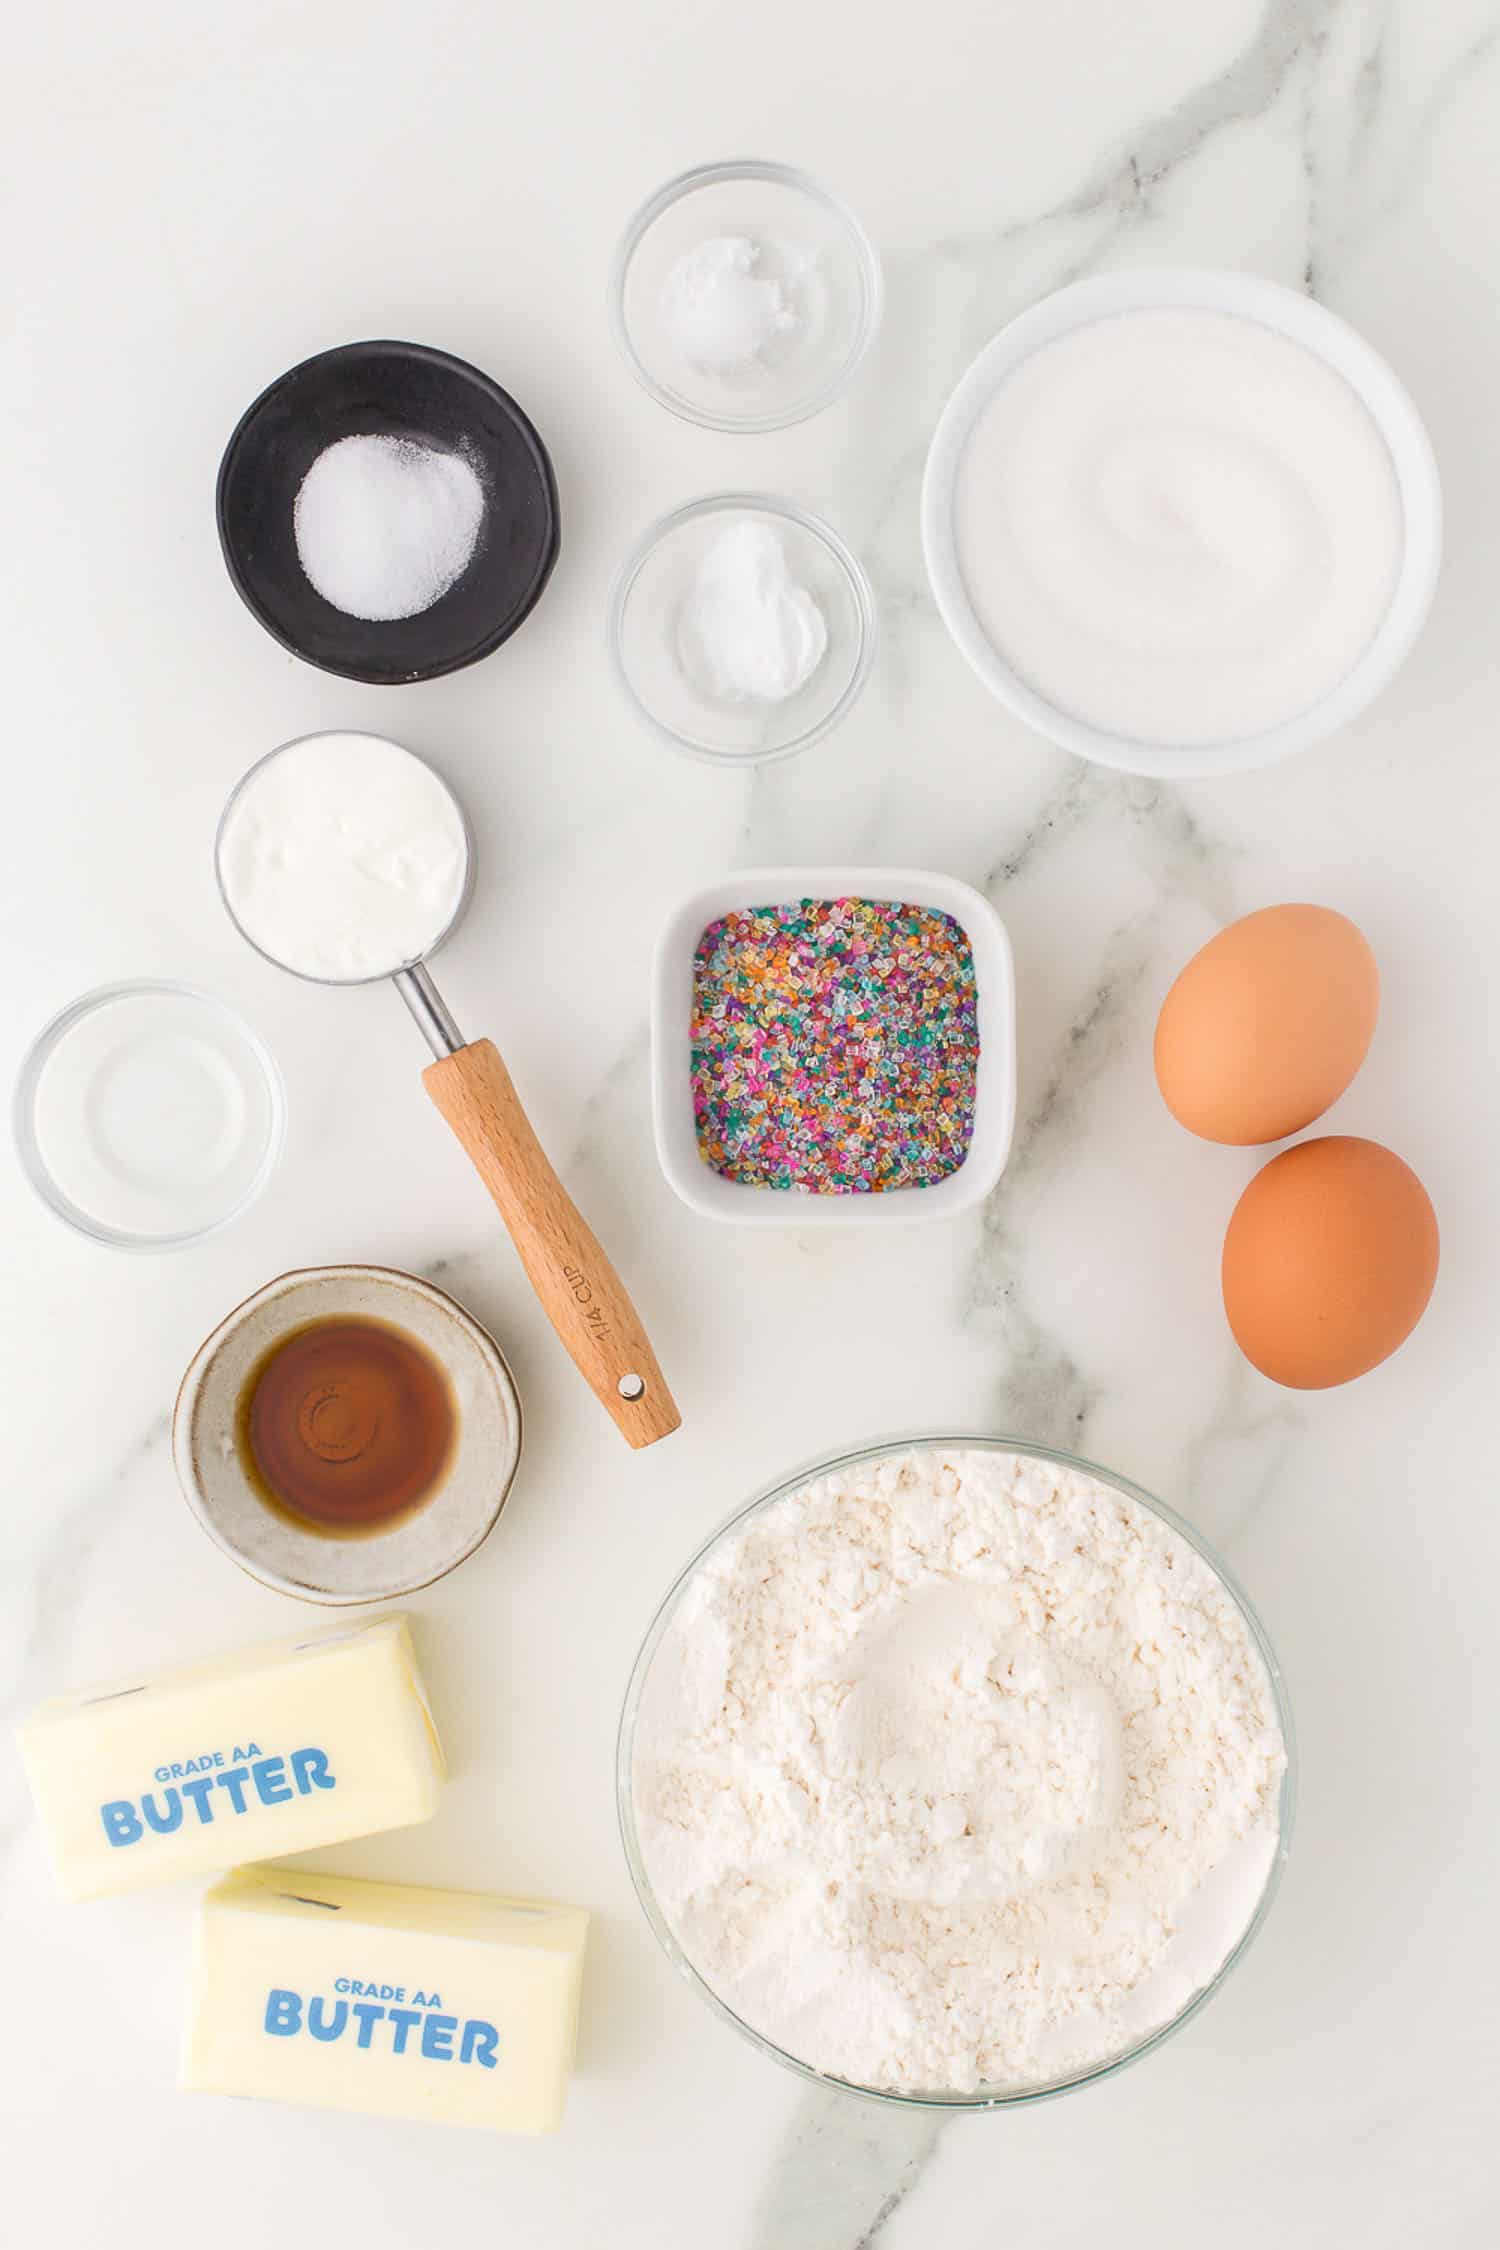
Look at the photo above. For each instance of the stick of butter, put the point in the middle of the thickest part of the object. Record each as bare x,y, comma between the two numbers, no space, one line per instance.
274,1749
444,2005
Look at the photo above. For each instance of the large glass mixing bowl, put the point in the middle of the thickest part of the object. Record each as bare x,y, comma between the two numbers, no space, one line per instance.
984,2097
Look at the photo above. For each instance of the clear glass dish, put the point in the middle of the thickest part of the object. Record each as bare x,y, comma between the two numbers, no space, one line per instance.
148,1115
810,241
986,2097
643,631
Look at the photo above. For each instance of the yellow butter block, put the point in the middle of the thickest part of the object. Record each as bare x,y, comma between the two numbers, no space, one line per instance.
443,2005
273,1749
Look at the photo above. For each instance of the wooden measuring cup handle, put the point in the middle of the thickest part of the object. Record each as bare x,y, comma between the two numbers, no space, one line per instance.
580,1291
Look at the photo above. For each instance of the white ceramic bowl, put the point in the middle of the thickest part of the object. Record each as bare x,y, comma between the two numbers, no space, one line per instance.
838,295
1303,322
376,1566
712,1196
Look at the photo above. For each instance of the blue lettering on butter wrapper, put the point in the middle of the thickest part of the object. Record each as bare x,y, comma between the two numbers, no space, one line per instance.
199,1801
381,2030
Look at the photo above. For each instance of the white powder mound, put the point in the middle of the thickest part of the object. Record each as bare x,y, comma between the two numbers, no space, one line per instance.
385,526
724,312
748,632
957,1768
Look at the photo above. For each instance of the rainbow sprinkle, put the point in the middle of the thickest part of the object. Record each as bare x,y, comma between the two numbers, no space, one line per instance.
835,1046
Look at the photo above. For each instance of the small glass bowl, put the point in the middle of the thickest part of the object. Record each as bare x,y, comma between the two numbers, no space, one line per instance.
643,622
986,2097
148,1115
808,239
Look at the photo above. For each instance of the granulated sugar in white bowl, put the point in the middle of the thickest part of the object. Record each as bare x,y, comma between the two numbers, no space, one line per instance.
956,1772
1183,522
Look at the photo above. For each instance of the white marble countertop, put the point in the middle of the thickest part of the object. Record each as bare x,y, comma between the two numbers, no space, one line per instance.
197,197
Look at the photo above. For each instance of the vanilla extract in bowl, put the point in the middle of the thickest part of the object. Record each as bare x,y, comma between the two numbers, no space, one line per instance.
414,1455
347,1425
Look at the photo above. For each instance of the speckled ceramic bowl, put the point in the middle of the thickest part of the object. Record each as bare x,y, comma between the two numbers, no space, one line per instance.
379,1565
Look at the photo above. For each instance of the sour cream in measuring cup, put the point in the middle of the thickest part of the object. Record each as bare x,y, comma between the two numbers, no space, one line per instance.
1178,526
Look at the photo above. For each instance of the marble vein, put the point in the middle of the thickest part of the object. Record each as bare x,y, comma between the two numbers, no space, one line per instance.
55,1582
1361,171
844,2170
1043,1388
47,1599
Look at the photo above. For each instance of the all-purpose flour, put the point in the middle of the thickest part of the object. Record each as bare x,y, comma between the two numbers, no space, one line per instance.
957,1767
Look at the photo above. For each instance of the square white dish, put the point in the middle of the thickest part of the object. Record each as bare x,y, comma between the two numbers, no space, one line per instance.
711,1195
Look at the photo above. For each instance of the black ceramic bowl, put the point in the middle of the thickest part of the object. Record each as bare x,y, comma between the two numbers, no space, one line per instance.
393,390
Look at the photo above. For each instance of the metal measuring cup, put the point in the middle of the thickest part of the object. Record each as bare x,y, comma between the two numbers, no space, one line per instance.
579,1289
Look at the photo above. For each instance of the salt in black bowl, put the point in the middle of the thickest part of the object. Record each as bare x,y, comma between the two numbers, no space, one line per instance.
398,391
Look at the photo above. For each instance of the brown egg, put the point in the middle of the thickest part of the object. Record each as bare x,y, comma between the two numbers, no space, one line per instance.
1267,1024
1329,1261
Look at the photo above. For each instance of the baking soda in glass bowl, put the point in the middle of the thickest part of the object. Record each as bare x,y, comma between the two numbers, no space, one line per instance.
748,630
734,308
745,296
742,629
